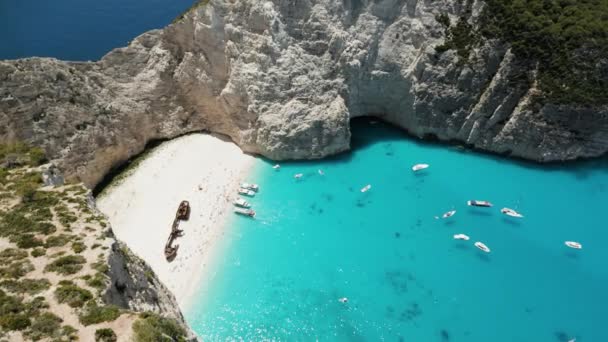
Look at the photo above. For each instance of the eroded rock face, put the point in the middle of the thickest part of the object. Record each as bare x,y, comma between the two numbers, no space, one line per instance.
283,78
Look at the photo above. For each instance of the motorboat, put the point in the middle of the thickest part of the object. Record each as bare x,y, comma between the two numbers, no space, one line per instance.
246,192
250,186
298,175
366,188
321,172
461,237
482,246
511,212
183,211
476,203
449,214
343,300
276,167
419,167
573,244
245,212
239,202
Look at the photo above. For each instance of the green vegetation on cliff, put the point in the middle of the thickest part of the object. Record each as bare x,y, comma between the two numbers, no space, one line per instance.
566,41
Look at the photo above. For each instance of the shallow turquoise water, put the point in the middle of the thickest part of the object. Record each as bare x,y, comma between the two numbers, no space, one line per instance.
279,277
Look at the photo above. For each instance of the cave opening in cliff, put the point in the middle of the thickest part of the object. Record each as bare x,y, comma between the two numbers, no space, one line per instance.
122,169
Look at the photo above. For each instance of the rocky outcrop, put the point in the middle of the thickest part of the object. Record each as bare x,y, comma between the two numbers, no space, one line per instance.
135,286
283,79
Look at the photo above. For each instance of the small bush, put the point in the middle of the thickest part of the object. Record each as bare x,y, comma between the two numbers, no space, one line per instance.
17,269
58,240
38,251
29,286
12,316
65,265
26,241
152,327
94,314
45,325
105,335
98,281
15,321
12,254
72,295
34,306
78,247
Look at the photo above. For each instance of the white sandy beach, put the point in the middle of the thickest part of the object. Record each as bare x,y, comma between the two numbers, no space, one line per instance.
142,207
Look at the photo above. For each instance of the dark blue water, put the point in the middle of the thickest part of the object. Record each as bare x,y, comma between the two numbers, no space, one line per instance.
78,30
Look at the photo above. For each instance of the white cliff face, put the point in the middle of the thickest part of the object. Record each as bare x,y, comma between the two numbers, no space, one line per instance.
283,78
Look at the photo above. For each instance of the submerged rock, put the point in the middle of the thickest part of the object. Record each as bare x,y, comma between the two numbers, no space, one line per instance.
283,79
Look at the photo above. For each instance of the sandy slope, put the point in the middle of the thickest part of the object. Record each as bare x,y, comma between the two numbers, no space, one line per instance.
202,169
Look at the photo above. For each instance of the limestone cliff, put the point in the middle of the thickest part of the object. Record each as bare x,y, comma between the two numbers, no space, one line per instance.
283,78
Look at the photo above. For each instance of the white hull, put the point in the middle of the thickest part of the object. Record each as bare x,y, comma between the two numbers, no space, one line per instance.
511,212
573,244
449,214
246,192
241,203
244,212
461,237
419,167
482,247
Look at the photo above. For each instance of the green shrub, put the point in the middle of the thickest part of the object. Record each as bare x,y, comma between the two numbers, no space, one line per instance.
65,265
58,240
16,269
105,335
45,325
98,281
26,241
37,156
94,314
12,254
15,321
34,306
12,315
73,295
564,40
37,252
69,332
78,247
152,327
29,286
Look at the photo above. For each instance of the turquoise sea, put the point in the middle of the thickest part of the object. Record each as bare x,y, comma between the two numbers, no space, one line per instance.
317,239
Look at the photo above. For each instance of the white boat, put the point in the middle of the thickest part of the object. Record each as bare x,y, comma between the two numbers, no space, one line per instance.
511,212
245,212
419,167
573,244
246,192
343,300
321,172
449,214
298,175
239,202
476,203
276,167
461,237
366,188
482,246
250,186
